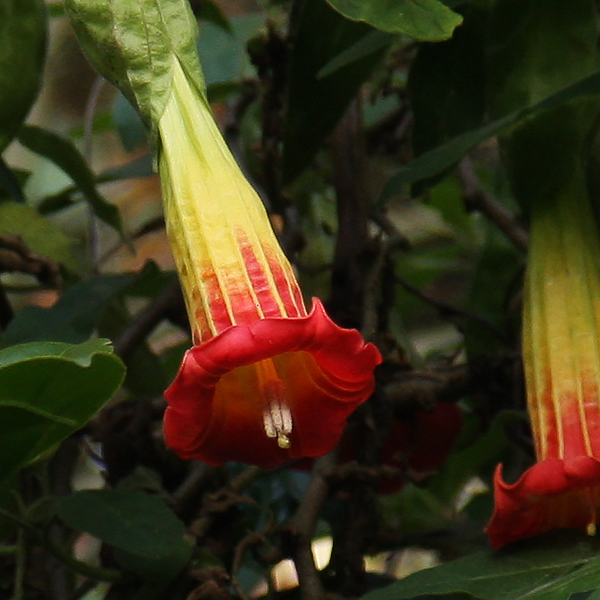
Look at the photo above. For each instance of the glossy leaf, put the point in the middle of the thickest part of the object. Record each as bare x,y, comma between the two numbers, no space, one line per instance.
20,66
134,45
149,536
364,47
426,20
315,105
549,568
62,152
47,392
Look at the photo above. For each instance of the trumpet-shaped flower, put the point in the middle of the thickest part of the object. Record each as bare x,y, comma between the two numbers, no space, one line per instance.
561,355
265,381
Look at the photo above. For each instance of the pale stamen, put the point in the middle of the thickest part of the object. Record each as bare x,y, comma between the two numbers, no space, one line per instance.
277,416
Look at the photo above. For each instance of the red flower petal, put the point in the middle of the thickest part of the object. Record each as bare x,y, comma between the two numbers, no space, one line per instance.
552,494
216,403
422,443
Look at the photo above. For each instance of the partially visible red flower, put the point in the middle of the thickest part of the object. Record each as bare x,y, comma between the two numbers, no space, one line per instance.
421,443
561,355
265,382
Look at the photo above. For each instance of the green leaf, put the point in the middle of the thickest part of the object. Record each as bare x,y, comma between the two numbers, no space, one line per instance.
9,183
61,151
536,49
370,43
149,536
446,85
129,124
134,45
39,234
23,26
314,106
47,392
548,568
138,167
74,317
437,160
145,374
224,55
479,458
211,12
426,20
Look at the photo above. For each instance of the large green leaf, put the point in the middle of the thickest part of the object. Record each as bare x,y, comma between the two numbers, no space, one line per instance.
315,104
48,391
549,568
427,20
149,536
134,45
22,52
446,85
62,152
437,160
537,49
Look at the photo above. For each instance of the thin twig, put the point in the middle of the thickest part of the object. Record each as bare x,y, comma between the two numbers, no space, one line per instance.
477,198
447,310
145,322
21,566
7,313
84,588
251,539
15,256
372,285
353,204
303,524
88,138
224,499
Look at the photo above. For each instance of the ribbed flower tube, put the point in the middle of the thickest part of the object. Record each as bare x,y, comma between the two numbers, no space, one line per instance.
561,355
265,381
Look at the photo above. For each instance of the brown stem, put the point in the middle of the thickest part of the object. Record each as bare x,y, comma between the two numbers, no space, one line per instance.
302,527
353,207
447,310
477,198
223,500
147,320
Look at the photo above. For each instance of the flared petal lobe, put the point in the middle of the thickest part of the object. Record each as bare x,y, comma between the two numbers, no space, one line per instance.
553,494
268,392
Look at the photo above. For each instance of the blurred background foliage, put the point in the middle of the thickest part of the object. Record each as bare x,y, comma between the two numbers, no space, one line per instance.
371,131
